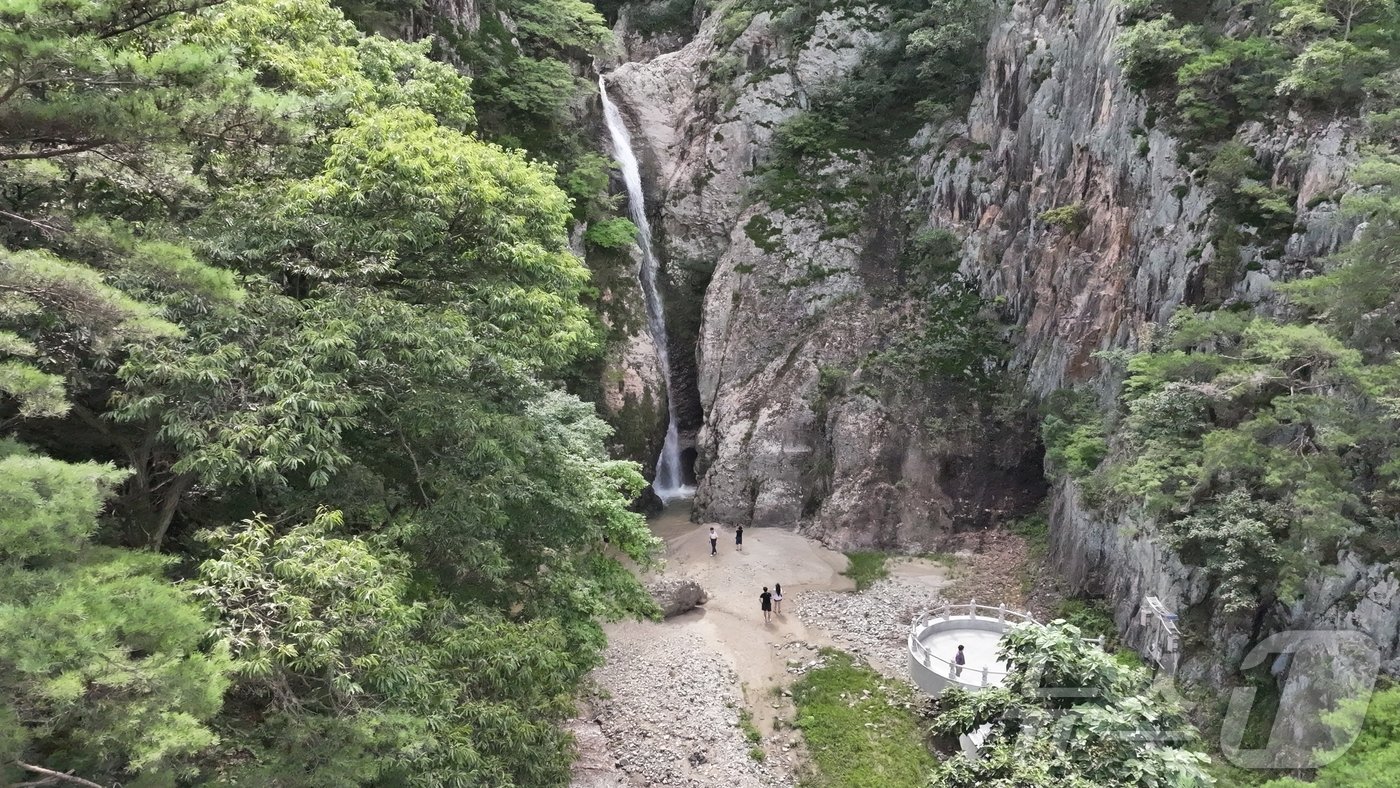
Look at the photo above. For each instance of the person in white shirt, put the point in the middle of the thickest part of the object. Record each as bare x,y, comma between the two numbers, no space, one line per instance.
714,541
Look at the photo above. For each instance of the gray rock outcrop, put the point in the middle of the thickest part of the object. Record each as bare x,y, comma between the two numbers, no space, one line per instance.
676,595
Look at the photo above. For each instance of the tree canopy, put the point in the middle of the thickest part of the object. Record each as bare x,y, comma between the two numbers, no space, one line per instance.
300,499
1068,714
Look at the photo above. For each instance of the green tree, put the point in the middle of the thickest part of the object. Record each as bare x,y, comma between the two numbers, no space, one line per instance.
355,683
1373,760
433,216
1068,714
105,667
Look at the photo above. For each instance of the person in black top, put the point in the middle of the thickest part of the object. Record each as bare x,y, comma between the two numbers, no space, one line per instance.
739,540
765,601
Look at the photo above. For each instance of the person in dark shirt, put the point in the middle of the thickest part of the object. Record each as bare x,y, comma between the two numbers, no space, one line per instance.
765,601
959,660
739,540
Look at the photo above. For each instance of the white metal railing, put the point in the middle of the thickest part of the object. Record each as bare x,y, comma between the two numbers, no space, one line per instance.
983,676
970,611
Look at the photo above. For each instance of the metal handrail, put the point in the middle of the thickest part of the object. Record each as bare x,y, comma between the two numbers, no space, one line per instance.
948,612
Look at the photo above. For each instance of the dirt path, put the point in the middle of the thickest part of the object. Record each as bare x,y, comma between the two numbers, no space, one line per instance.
731,623
671,692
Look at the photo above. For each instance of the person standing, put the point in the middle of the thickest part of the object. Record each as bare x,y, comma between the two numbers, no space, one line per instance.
959,660
778,598
714,541
739,541
765,601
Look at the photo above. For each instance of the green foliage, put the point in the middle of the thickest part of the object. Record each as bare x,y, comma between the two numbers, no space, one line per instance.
950,334
858,732
1212,73
1153,50
523,85
1068,714
1373,759
267,262
930,60
357,683
1070,218
661,16
1074,433
751,734
764,234
1259,447
432,215
1091,617
612,233
866,567
1354,299
931,256
103,663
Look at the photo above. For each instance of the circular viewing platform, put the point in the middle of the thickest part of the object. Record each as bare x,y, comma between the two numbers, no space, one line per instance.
936,634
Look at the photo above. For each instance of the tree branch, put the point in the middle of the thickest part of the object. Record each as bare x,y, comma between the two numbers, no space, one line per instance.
51,776
47,229
173,493
53,153
156,17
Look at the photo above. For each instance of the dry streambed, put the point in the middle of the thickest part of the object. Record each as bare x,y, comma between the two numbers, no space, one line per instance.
702,699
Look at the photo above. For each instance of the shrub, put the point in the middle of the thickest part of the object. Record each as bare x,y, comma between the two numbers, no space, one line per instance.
1074,434
611,233
1071,218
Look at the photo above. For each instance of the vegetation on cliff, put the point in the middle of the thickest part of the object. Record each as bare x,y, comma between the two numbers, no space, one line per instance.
1263,445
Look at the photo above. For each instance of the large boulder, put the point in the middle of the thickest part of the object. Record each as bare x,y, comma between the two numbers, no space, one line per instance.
676,595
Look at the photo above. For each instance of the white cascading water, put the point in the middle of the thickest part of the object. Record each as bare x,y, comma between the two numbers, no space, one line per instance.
669,484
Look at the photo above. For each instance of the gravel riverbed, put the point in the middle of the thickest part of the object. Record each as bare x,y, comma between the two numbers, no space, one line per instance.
669,709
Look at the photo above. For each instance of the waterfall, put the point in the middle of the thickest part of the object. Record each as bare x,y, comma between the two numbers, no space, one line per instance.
668,484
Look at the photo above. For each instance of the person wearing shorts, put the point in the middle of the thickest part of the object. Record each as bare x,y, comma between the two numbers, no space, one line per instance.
765,601
778,598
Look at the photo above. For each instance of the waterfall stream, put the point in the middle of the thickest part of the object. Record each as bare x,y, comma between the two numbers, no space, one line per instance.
669,483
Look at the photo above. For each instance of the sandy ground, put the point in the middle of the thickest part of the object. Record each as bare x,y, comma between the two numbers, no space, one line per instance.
670,692
732,621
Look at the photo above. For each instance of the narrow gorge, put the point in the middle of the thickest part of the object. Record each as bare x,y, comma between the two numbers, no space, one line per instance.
762,393
1054,187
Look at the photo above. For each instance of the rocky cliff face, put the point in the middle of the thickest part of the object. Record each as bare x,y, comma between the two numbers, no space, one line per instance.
777,306
1056,125
793,433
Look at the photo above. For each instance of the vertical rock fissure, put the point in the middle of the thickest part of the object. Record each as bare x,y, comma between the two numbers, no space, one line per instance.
669,481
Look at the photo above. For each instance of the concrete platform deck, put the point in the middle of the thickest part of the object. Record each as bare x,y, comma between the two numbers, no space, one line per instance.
934,639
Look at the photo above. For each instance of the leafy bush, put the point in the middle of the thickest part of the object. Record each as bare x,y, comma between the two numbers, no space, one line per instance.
615,233
1071,218
931,60
764,234
661,16
1218,70
1374,754
1116,732
1073,431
